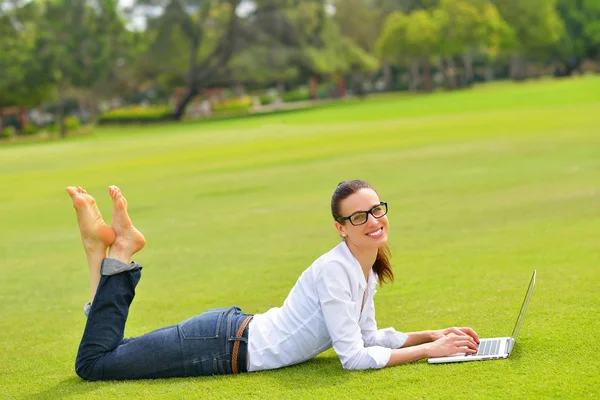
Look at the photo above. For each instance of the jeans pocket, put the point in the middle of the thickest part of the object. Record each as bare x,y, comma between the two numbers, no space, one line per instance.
203,326
222,366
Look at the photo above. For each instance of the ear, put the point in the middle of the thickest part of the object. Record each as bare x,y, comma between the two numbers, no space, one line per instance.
340,228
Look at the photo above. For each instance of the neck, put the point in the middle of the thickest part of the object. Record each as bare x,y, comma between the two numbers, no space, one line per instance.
366,257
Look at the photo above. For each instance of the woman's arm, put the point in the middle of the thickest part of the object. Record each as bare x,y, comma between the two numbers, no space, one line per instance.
444,346
417,338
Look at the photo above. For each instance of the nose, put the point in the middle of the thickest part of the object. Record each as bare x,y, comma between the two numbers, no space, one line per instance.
371,219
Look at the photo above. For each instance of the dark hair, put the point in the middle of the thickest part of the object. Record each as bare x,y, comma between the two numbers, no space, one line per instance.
382,266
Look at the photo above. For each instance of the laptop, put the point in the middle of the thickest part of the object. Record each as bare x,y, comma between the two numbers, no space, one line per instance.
494,348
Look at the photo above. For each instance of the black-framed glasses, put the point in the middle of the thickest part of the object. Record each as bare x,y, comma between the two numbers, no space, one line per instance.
361,217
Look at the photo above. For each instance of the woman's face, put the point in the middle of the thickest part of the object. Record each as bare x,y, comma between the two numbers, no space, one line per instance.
373,233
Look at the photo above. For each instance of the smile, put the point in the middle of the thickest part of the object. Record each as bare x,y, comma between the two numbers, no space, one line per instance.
377,233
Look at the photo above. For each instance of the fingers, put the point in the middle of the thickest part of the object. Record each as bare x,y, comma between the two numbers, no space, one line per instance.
471,333
471,347
456,331
462,340
466,331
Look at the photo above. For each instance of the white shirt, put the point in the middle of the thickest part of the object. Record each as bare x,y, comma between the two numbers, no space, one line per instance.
324,309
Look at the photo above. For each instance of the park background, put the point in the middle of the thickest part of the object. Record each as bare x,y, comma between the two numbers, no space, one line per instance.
228,124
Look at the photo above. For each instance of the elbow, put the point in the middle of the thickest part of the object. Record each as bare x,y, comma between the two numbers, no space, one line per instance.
370,339
352,363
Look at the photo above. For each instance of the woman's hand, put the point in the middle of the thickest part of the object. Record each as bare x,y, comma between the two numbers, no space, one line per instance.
451,344
435,335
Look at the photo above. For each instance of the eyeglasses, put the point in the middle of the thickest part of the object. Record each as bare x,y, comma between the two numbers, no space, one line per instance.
361,217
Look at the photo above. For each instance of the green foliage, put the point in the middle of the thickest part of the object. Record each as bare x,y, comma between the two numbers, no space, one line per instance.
71,123
581,34
266,99
30,129
471,25
359,21
136,113
237,104
535,23
296,95
7,132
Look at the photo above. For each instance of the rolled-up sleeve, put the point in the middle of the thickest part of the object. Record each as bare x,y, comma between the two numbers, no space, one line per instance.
372,336
332,285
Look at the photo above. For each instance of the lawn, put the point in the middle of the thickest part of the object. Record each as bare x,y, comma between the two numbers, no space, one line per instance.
484,186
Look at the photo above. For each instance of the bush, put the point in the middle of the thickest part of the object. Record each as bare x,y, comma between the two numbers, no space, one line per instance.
136,114
266,99
296,95
7,132
30,129
72,122
238,104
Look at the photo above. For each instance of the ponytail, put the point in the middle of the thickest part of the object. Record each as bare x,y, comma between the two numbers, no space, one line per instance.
382,266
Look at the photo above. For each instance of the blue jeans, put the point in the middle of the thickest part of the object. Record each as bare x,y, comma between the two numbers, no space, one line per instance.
201,345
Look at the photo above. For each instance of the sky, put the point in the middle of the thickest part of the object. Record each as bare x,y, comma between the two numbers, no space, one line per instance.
138,21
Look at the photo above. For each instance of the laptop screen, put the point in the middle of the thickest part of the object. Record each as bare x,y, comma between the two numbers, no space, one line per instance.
523,308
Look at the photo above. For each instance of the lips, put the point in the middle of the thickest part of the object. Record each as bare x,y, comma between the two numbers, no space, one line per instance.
376,233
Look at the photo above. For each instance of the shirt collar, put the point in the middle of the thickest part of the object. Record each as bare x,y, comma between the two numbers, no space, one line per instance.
357,268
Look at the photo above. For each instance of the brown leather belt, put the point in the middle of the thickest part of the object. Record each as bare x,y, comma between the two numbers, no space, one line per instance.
236,345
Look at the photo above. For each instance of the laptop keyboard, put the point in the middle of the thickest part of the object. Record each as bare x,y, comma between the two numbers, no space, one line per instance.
487,348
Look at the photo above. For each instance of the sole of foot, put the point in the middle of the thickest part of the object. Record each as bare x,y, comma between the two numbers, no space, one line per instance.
128,239
95,233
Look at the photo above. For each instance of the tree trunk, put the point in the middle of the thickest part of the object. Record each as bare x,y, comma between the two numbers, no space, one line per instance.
517,68
571,65
468,63
92,107
180,109
445,67
1,122
387,75
452,73
415,78
60,113
427,75
489,73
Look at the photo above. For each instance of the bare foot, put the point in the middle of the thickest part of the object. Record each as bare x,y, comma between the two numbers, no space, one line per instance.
96,236
128,240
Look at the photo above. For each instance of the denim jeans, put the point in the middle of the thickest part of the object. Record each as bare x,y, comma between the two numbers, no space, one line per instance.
201,345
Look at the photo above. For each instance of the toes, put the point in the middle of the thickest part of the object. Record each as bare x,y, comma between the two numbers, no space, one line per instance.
71,190
114,192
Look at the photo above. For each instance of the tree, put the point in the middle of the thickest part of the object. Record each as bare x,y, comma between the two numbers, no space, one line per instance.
359,21
193,43
468,27
410,40
78,45
23,82
580,37
536,25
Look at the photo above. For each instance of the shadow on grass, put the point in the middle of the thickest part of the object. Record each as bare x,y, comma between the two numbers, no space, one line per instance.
322,372
66,388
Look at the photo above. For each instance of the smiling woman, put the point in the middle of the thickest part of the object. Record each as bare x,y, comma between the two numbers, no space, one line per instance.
331,305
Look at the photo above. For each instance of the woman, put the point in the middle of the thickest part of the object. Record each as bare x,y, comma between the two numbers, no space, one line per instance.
331,304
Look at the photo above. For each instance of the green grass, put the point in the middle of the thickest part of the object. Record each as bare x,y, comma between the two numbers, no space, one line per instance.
483,185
